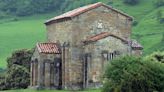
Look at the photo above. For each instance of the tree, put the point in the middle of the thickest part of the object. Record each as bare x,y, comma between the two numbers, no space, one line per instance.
131,74
131,2
29,7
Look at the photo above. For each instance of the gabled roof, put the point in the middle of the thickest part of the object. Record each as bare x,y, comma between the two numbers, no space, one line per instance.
83,9
136,45
48,48
102,36
133,43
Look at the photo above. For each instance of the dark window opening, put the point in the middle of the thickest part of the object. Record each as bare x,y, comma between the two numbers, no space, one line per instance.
109,55
85,70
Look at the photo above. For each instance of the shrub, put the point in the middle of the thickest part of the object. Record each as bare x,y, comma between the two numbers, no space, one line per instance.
162,38
160,16
156,56
2,85
135,23
159,3
131,2
131,74
17,75
20,57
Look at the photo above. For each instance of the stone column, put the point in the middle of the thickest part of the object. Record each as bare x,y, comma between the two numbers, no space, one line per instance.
63,67
31,74
52,74
67,67
47,74
40,74
35,72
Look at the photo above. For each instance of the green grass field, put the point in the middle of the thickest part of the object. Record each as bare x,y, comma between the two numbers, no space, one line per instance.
20,33
28,90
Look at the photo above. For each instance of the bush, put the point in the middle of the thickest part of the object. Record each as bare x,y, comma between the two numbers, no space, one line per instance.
18,70
156,56
2,85
20,57
162,38
17,77
160,16
159,3
131,2
131,74
135,23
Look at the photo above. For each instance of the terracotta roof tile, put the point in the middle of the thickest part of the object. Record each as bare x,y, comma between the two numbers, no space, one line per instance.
101,36
98,36
50,48
83,9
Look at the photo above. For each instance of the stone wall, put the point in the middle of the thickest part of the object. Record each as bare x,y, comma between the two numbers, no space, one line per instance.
87,24
137,52
99,20
60,32
111,47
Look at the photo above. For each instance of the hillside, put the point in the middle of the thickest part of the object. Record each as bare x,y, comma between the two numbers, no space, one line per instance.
23,32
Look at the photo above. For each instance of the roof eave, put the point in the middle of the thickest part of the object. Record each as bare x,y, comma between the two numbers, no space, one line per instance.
116,10
98,5
49,53
48,22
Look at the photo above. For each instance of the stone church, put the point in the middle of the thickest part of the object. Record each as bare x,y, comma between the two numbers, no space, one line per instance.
79,45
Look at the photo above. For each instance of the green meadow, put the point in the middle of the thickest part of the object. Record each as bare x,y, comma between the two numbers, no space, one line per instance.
20,33
25,32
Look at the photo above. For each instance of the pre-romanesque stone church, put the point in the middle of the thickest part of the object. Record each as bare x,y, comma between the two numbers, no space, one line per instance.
79,45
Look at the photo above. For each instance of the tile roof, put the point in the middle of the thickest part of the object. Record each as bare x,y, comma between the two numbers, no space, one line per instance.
83,9
101,36
50,48
136,45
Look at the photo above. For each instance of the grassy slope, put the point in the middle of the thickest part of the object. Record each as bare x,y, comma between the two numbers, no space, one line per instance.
25,32
20,34
148,26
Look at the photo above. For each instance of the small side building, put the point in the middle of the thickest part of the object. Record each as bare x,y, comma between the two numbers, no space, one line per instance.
46,66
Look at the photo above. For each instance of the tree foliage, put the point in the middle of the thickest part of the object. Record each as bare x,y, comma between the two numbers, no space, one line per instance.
18,71
28,7
17,77
20,57
130,74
